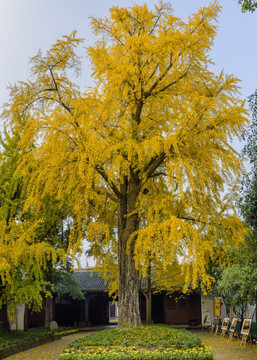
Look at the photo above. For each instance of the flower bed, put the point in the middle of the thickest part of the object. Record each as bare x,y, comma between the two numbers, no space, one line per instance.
155,342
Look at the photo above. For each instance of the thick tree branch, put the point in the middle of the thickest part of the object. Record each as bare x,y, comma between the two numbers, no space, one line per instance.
154,165
110,196
174,82
152,74
158,174
101,171
149,93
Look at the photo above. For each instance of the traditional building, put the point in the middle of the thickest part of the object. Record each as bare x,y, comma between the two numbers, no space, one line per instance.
99,309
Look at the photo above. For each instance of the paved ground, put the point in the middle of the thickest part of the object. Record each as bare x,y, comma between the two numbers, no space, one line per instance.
223,349
49,351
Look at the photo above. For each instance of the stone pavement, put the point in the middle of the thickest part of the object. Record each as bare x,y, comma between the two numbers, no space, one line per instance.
49,351
223,349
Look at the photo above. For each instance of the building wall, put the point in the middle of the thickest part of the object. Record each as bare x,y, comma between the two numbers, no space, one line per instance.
157,308
36,319
16,317
182,310
20,316
207,310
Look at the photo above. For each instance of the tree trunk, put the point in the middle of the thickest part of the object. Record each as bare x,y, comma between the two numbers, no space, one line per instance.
129,314
48,312
26,327
256,306
149,308
246,308
87,322
149,296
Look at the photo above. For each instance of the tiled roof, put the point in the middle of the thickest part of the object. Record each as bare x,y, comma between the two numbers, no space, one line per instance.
89,281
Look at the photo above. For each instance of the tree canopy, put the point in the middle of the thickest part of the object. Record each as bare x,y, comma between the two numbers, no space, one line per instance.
144,156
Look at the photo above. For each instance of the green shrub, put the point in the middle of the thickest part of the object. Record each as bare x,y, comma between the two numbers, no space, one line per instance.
143,334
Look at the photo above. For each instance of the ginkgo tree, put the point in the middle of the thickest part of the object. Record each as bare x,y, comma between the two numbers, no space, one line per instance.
144,155
32,244
23,254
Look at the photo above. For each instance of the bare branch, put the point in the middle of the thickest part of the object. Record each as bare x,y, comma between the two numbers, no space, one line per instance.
57,90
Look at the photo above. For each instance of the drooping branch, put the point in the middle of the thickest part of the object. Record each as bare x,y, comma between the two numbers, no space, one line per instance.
62,132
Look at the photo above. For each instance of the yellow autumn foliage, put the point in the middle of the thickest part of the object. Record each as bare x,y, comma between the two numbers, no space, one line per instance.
145,155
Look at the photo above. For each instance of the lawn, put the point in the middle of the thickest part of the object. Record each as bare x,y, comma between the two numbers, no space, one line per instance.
155,342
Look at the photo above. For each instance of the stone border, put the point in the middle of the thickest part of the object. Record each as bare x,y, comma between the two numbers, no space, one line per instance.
16,348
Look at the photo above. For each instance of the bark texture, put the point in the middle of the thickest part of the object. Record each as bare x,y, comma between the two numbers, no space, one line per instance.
87,322
128,223
149,297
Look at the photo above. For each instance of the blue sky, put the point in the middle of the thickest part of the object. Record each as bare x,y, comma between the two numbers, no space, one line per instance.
29,25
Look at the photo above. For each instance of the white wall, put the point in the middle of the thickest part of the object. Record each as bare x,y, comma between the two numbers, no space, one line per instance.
207,309
16,317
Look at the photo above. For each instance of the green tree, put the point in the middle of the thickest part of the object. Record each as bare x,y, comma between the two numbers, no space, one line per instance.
65,283
248,5
20,279
248,202
143,157
238,282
